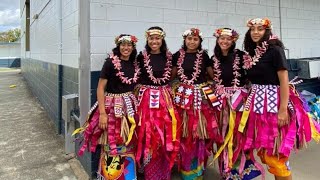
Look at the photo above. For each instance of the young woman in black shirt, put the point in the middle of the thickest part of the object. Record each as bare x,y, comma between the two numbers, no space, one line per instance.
191,64
275,121
158,137
229,79
111,121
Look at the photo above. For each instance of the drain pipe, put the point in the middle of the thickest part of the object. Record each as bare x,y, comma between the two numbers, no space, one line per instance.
60,69
84,60
60,30
280,20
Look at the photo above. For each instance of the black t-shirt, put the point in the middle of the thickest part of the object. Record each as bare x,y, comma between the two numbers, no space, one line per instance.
265,71
226,67
114,84
188,65
158,63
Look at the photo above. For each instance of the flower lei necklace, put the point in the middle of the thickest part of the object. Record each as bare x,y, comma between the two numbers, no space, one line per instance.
249,61
196,68
235,67
168,68
117,64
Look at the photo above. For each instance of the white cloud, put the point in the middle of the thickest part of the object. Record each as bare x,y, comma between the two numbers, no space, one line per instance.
10,17
9,4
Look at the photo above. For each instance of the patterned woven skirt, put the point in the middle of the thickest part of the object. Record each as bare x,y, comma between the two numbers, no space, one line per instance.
117,159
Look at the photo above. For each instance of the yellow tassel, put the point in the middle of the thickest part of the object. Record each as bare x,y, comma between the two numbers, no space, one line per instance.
173,117
174,124
228,137
133,126
314,133
124,129
243,121
230,143
79,130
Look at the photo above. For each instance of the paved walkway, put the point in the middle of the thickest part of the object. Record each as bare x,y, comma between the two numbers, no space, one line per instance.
304,165
30,148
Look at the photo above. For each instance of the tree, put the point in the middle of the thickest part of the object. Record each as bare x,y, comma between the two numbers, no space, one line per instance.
11,35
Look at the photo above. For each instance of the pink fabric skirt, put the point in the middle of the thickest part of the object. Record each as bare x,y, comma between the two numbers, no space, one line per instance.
262,130
199,128
120,109
158,131
229,112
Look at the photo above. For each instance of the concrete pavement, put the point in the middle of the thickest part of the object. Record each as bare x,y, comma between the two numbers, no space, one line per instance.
30,148
304,165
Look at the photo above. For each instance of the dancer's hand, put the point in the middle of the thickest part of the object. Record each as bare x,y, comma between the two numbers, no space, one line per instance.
103,121
283,118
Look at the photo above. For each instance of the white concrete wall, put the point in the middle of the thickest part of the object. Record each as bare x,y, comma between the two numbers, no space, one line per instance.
45,31
300,22
70,33
301,25
10,50
112,17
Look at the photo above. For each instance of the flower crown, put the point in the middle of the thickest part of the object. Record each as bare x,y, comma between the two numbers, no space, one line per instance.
155,32
192,31
265,22
127,38
228,32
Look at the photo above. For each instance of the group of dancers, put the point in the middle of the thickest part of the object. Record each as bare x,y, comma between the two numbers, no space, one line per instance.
158,110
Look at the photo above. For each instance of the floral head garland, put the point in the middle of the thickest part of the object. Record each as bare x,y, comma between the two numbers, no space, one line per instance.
127,38
192,31
228,32
155,32
265,22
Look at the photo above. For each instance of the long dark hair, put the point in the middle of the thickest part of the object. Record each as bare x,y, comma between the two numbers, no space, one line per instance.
218,52
185,48
163,48
250,46
116,50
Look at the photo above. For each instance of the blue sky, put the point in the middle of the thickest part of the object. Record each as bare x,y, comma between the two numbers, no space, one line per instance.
9,14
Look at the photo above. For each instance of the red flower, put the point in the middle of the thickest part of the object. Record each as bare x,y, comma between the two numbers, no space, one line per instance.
134,39
267,22
195,31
